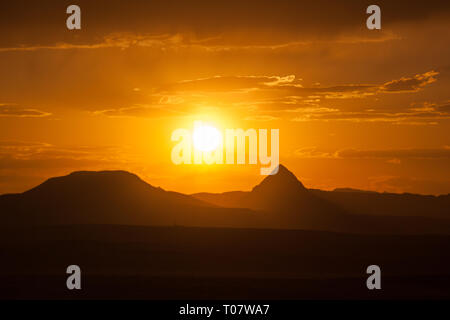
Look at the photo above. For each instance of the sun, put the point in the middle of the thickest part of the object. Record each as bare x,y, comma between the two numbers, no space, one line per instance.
206,138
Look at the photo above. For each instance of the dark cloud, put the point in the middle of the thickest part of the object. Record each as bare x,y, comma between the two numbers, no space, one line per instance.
444,108
25,22
410,84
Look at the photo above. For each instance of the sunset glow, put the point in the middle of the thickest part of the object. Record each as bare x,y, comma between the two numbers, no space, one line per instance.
222,159
206,138
358,108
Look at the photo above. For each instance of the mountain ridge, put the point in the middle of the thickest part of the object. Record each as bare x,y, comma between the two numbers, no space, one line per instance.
278,201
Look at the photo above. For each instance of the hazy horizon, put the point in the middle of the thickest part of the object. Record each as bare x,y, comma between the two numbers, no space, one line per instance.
257,181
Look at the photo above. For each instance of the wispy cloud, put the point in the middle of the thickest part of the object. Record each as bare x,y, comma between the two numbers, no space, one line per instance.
178,41
113,40
140,111
410,84
270,97
28,150
10,110
392,155
414,153
399,118
261,117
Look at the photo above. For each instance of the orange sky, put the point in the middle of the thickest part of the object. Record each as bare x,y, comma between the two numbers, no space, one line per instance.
355,108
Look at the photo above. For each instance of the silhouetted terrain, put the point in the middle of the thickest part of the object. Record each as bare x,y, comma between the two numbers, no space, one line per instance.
285,189
392,204
279,201
278,241
288,204
112,197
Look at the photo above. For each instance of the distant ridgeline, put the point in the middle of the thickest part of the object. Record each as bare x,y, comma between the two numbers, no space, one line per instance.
279,201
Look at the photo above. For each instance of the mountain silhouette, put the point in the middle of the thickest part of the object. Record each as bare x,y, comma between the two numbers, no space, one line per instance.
279,201
284,182
274,191
111,197
286,199
290,204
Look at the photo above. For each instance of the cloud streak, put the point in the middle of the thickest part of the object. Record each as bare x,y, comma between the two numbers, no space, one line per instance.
410,84
271,97
390,154
441,153
140,111
15,111
406,118
180,41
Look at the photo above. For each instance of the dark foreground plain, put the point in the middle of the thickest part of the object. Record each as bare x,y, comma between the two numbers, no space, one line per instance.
134,262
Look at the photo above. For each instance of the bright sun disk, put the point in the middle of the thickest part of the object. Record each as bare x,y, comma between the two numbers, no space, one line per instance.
206,138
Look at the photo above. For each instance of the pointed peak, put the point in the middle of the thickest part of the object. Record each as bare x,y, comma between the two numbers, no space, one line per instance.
283,181
283,170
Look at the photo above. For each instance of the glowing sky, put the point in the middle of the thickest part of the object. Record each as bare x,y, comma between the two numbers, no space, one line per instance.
355,108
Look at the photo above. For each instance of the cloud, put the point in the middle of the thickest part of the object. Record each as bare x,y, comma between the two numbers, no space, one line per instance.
119,40
290,87
413,116
444,108
314,153
233,83
280,86
179,41
314,110
404,84
393,156
21,112
141,111
410,84
394,161
13,151
437,153
272,25
261,117
265,95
